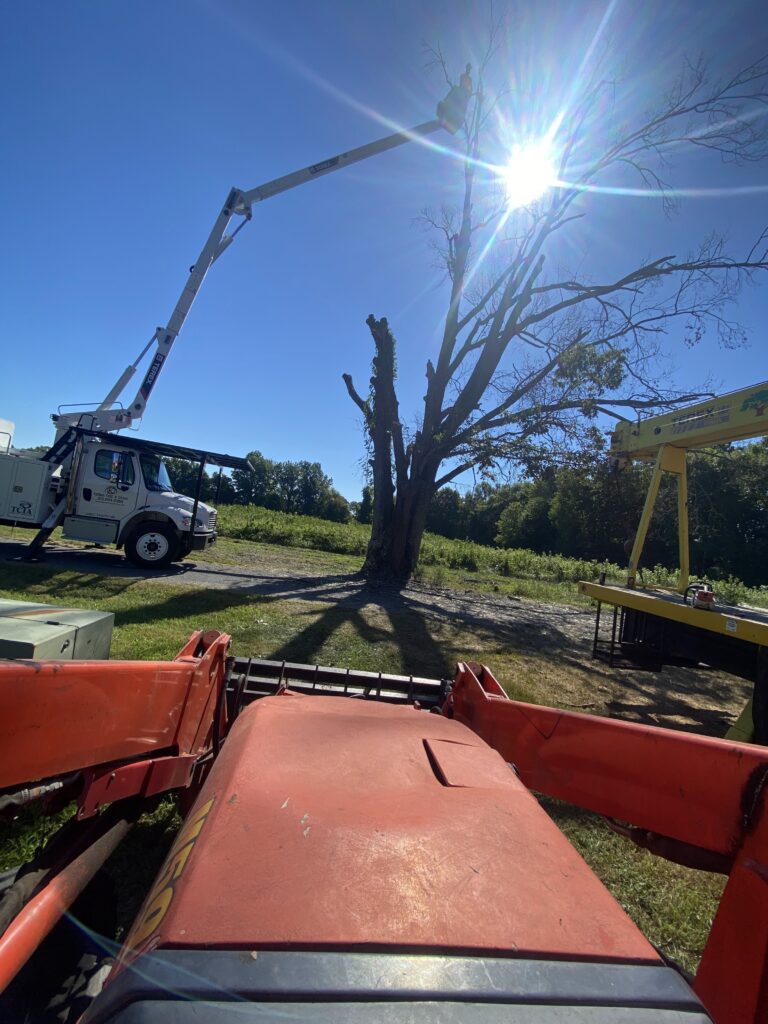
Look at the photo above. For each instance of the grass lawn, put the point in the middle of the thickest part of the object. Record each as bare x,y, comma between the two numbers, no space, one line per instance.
674,906
245,553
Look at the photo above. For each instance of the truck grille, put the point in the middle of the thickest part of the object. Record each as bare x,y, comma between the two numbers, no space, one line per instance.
212,516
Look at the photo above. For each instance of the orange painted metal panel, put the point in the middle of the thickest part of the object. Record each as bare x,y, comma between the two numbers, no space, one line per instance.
328,825
465,764
689,787
63,716
59,717
732,980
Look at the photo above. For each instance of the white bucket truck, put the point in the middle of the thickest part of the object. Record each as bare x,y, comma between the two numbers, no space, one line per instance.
108,489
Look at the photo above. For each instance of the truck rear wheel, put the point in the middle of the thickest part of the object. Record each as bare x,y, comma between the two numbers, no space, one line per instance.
152,545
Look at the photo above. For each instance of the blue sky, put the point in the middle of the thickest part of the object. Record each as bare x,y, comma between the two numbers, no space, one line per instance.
125,124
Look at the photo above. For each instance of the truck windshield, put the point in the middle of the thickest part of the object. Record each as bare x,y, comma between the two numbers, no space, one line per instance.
155,474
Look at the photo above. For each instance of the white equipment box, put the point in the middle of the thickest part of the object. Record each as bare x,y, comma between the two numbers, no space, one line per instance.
25,488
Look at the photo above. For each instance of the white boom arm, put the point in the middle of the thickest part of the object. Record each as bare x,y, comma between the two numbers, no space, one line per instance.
238,204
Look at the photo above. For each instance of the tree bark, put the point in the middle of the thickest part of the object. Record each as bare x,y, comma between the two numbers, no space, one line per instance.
402,489
395,544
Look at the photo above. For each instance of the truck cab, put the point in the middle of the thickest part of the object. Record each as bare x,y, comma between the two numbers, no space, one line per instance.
107,489
124,496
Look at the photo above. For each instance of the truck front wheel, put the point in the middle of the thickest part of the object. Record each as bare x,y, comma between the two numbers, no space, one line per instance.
152,546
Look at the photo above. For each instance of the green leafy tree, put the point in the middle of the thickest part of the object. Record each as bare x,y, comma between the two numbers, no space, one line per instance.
526,522
184,475
447,515
335,507
483,508
363,509
257,487
315,488
222,490
592,513
301,488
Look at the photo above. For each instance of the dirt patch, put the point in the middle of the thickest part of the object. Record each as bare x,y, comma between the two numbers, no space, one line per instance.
549,650
539,651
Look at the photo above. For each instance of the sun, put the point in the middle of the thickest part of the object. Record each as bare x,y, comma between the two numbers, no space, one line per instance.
529,172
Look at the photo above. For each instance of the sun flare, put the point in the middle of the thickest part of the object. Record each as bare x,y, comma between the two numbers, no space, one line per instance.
529,172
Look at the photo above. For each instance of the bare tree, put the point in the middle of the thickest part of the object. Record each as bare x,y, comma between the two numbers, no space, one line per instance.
530,356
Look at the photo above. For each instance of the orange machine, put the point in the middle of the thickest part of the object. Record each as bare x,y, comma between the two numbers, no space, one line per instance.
367,847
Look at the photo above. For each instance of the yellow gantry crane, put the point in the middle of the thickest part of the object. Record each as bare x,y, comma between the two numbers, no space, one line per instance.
666,440
657,625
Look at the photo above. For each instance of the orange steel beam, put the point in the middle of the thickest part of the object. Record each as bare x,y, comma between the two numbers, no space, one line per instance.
60,717
708,793
691,788
40,915
732,980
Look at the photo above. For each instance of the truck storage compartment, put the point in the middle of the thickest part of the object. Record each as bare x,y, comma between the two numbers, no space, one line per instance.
25,489
99,531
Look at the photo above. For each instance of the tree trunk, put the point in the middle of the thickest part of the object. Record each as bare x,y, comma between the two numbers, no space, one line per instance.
403,484
393,551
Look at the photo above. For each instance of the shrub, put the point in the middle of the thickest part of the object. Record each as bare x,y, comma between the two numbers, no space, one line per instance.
731,591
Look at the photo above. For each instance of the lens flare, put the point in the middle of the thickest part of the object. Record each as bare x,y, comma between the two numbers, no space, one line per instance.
529,172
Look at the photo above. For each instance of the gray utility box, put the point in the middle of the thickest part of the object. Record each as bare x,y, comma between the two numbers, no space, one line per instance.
47,632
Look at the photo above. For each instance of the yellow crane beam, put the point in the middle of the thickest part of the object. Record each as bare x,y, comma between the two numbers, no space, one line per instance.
666,439
737,416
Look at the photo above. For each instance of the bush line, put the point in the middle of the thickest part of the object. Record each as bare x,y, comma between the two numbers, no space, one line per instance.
253,523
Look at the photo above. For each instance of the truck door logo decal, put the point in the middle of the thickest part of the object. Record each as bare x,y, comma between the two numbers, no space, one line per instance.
110,497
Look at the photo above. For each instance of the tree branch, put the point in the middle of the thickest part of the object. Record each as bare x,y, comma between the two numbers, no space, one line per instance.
362,405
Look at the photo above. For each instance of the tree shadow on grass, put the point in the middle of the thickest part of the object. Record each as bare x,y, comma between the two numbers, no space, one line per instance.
706,721
693,699
308,642
187,604
409,631
523,630
414,618
64,582
413,622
